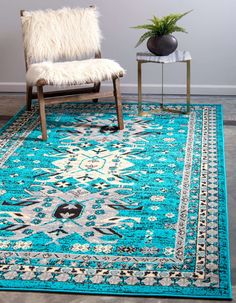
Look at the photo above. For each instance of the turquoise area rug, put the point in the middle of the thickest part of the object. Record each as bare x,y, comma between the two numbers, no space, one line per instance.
139,212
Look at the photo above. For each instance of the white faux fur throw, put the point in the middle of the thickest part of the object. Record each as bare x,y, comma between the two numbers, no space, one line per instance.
74,72
64,34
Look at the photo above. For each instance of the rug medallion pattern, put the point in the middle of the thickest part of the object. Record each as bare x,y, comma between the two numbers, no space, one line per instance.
136,212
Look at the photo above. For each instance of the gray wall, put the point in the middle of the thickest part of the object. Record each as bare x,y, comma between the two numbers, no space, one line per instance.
211,41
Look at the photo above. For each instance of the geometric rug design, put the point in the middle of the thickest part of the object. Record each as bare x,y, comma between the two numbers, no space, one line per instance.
93,210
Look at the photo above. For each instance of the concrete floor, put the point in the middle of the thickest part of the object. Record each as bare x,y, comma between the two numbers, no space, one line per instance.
10,104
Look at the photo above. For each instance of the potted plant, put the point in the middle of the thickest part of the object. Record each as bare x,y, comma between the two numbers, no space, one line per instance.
160,41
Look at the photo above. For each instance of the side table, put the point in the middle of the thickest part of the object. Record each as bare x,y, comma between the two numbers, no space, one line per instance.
177,56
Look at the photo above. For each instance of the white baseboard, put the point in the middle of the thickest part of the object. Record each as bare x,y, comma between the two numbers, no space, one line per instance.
131,88
15,87
196,89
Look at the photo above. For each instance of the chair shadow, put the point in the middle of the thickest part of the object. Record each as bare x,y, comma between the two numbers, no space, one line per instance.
103,130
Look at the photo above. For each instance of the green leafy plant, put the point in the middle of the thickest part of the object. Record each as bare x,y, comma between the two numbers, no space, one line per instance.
161,26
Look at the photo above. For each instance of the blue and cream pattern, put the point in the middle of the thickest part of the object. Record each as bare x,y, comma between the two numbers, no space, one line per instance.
134,212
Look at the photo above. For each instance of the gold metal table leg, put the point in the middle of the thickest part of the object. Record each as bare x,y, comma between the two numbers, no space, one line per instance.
162,85
188,85
139,88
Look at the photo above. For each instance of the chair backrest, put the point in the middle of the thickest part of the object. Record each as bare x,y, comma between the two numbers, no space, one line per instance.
63,34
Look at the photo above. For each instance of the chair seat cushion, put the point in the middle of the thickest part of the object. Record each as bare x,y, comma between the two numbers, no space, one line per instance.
73,72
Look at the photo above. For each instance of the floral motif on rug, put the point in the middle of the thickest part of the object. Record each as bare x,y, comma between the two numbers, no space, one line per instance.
94,210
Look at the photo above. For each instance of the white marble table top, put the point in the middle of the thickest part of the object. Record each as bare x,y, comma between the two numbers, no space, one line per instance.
177,56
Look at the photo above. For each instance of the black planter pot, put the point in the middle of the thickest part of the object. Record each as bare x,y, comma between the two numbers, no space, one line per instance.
162,45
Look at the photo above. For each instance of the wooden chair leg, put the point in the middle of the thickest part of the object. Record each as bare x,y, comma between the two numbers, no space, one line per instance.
42,112
117,95
29,90
96,89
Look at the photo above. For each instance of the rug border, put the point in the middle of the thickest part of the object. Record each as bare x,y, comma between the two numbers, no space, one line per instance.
12,119
220,146
226,199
